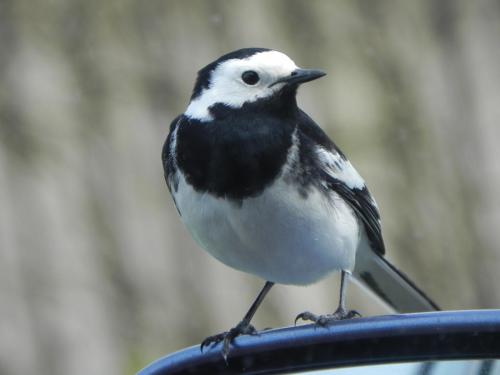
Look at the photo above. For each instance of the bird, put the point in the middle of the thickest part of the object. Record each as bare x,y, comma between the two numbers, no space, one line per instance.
263,189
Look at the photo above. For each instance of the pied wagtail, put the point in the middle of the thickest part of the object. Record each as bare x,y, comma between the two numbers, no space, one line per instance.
263,189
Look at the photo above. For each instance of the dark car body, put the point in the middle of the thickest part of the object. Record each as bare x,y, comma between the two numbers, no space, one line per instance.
418,337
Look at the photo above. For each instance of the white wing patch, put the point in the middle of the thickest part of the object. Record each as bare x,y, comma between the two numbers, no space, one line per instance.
339,168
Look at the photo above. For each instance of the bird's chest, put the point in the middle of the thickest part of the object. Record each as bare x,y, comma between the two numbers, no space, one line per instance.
234,160
278,235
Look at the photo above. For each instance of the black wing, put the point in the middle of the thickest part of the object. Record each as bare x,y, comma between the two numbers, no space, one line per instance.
341,177
364,206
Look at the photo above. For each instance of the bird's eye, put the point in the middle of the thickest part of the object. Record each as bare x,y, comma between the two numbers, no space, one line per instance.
250,77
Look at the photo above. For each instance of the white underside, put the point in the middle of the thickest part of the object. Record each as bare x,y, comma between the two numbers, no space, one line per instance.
278,235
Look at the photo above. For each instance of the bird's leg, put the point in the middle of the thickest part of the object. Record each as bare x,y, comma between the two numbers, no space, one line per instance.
242,328
340,314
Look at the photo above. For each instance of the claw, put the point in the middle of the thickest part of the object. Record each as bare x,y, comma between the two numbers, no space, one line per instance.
306,315
242,328
212,340
352,314
325,320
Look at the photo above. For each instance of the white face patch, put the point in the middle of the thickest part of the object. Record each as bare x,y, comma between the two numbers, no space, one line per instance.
227,86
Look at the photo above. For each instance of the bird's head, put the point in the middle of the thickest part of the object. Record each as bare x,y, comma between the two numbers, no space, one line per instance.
250,75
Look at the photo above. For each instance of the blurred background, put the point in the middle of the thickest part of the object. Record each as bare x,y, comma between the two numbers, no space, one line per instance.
97,274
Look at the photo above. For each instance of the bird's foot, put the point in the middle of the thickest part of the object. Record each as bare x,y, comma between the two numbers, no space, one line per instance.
325,320
242,328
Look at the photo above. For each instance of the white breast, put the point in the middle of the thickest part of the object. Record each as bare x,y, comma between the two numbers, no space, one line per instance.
279,235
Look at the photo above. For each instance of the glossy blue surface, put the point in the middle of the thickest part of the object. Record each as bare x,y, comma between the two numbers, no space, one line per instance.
365,340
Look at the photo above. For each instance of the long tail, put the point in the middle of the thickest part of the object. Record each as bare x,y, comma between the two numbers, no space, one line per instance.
390,284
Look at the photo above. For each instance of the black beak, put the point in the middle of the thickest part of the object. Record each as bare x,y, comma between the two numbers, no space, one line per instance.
300,76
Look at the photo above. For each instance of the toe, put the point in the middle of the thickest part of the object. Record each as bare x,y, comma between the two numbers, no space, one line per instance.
352,314
323,320
307,316
342,314
242,328
251,331
226,346
246,329
212,340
